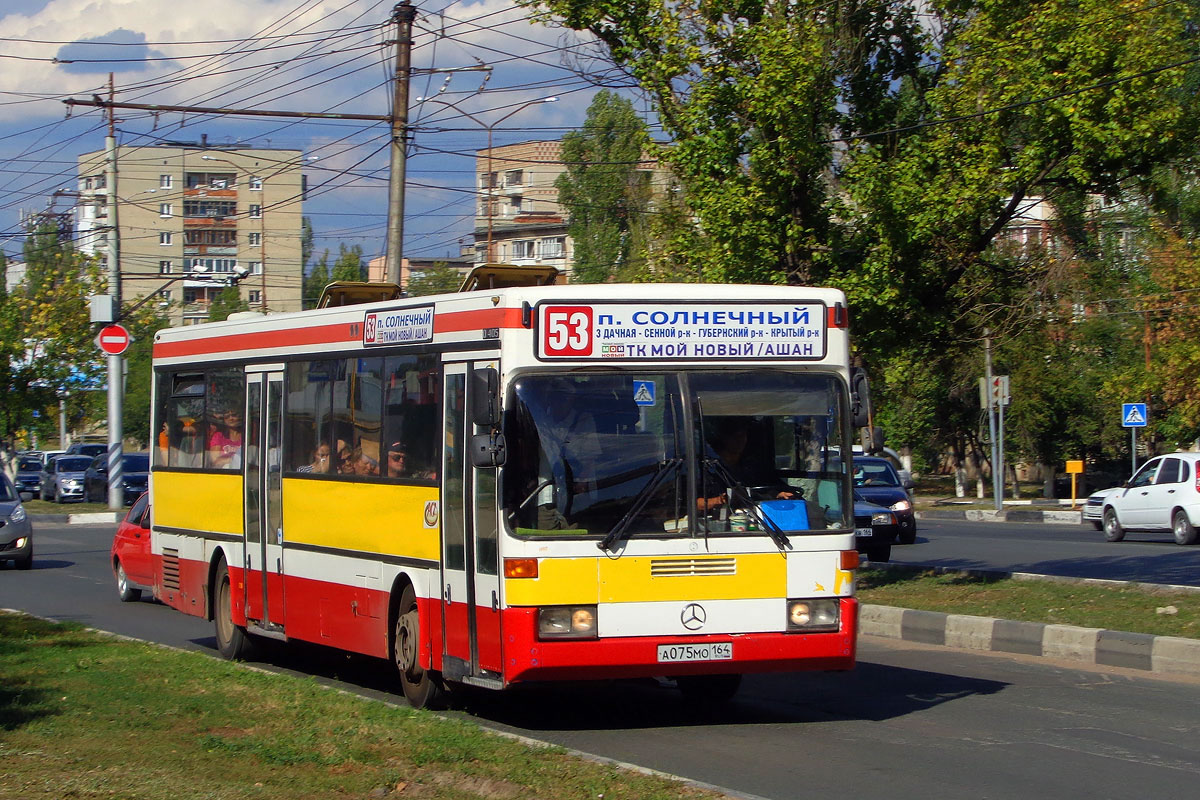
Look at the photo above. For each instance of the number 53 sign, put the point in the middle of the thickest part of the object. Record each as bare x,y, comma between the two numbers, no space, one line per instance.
566,332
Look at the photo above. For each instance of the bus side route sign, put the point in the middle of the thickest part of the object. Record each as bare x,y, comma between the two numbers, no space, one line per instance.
674,331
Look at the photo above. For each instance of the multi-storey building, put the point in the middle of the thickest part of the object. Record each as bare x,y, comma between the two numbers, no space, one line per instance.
188,211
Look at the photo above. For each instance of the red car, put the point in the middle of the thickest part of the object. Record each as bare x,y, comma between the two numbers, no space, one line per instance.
131,561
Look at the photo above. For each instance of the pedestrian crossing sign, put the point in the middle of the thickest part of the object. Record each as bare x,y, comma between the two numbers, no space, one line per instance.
1133,415
643,393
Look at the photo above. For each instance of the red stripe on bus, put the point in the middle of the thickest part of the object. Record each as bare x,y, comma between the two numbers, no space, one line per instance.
477,320
293,337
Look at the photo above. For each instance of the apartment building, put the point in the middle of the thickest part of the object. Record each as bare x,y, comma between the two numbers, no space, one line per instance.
191,212
518,218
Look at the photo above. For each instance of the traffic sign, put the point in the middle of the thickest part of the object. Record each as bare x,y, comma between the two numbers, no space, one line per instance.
1133,415
113,339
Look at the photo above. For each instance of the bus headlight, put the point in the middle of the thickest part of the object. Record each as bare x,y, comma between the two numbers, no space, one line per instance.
567,622
822,614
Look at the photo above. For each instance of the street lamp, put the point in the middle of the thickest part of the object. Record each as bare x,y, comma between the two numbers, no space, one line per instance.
488,128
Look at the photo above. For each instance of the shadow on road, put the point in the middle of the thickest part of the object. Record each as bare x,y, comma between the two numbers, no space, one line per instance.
1147,566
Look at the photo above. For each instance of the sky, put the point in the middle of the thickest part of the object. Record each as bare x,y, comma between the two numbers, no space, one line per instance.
295,55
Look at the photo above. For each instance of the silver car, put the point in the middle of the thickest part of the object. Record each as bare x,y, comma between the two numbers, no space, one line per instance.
16,531
62,478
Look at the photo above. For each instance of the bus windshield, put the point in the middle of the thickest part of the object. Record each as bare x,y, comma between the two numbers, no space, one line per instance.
615,455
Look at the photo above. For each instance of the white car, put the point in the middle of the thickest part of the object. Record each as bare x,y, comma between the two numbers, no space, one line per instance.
1164,494
1093,510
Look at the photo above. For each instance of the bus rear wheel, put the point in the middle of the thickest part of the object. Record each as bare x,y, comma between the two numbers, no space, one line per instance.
422,687
232,640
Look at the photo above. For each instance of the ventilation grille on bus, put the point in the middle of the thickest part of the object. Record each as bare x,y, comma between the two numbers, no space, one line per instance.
672,567
170,569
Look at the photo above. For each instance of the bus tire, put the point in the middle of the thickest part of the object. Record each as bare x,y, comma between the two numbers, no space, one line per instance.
232,640
708,689
422,687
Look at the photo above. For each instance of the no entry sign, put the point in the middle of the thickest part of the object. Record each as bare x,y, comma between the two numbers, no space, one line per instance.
113,339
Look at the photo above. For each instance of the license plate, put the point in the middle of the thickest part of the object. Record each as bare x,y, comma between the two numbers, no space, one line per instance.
712,651
863,533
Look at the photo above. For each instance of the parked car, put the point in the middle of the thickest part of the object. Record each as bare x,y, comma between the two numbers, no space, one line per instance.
131,562
84,449
29,469
50,455
135,471
16,531
875,529
881,483
1164,494
62,478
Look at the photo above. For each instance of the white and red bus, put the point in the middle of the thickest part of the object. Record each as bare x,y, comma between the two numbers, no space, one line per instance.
520,484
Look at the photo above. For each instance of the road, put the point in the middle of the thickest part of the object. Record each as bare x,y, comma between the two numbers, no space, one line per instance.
1073,550
910,722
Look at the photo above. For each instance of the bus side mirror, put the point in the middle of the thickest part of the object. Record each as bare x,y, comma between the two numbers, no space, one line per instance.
485,397
860,397
487,450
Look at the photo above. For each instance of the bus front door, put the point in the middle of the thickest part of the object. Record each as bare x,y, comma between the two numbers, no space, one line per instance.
264,526
471,632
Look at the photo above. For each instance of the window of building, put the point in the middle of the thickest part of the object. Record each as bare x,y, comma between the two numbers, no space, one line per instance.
254,182
255,211
164,181
218,237
254,239
164,237
514,177
164,209
524,248
211,180
190,296
87,183
255,267
209,208
514,206
554,247
164,268
209,264
165,295
254,296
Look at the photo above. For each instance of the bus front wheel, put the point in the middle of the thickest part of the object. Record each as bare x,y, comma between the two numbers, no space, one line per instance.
232,640
422,687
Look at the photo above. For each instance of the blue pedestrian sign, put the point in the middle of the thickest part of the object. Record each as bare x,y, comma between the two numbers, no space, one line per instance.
1133,415
643,393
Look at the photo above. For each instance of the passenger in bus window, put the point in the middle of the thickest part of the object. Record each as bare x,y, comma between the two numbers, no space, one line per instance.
400,466
321,461
188,450
362,464
225,443
728,437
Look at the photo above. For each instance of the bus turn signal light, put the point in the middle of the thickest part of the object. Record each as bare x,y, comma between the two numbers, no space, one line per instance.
520,567
850,559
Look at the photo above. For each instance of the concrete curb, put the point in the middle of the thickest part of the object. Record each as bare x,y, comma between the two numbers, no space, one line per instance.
1159,654
94,518
1014,515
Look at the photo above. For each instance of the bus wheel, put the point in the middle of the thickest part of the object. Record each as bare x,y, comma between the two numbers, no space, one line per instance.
709,688
422,688
232,640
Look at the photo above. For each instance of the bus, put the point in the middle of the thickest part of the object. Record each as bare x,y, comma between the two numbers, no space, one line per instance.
519,484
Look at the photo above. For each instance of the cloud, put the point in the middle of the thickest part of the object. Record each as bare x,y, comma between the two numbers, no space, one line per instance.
121,50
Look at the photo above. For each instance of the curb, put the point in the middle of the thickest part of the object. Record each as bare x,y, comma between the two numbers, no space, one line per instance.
1159,654
1016,515
94,518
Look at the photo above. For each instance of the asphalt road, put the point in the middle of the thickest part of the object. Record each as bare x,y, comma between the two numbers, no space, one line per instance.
1073,550
910,722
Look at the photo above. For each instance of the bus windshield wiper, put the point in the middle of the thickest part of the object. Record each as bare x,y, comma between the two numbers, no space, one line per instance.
741,492
620,530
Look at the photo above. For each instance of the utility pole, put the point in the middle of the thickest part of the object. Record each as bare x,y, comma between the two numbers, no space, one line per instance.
997,475
116,432
403,15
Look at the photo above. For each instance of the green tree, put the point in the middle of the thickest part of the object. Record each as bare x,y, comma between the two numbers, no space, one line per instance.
228,301
441,278
135,417
606,188
316,280
306,241
349,265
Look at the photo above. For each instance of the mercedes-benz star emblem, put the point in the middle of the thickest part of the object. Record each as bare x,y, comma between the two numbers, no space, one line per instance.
693,616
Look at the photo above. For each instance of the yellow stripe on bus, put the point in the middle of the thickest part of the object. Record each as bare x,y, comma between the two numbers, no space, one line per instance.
202,501
629,579
371,517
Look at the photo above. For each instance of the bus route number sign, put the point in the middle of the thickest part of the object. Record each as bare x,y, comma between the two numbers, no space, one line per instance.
567,332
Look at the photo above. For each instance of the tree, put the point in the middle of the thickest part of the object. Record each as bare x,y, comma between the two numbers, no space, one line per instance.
228,301
605,189
316,281
135,417
349,265
441,278
306,241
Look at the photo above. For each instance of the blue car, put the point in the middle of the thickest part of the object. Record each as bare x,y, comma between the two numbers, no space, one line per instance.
29,470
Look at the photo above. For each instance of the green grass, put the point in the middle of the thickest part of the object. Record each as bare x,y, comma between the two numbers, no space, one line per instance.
49,507
87,716
1122,609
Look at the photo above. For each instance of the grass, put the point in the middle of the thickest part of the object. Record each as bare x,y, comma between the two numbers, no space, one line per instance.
83,715
1122,609
36,506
